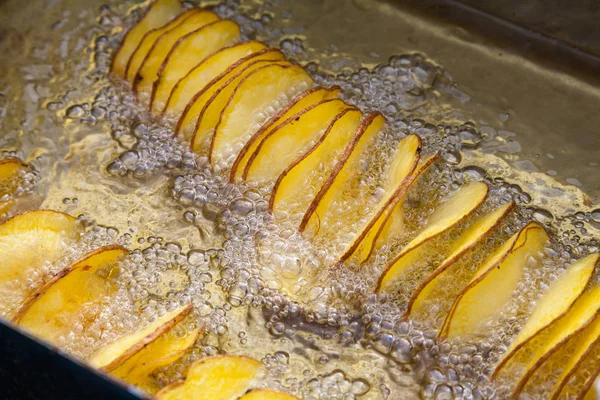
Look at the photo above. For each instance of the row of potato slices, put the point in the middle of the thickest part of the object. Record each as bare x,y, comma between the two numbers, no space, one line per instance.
33,239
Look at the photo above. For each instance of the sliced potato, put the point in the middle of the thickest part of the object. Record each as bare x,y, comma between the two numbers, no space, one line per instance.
187,53
269,87
148,72
215,378
583,314
302,101
494,282
346,167
397,182
392,220
205,73
458,207
264,394
116,353
159,13
160,353
51,311
292,184
467,241
587,340
142,50
28,242
212,101
9,173
555,302
590,389
284,143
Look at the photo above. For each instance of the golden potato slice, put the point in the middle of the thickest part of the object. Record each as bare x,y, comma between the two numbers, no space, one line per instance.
28,242
206,73
458,207
590,389
302,101
187,53
346,167
148,72
197,107
555,302
215,378
284,143
9,173
294,182
116,353
582,317
397,182
270,87
160,353
467,241
142,50
494,282
159,13
392,221
587,340
211,102
51,311
264,394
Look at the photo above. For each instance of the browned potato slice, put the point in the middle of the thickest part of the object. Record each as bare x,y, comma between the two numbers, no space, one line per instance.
29,241
282,145
301,102
346,167
142,50
264,394
148,72
51,311
465,243
212,102
197,107
159,13
270,87
494,282
116,353
206,73
458,207
187,53
397,182
294,184
215,378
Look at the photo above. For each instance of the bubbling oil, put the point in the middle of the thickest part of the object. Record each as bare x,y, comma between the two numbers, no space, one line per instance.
259,287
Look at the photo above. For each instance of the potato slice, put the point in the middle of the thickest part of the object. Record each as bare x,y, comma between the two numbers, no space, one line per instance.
264,394
494,282
187,53
142,50
590,389
467,241
270,87
587,341
283,144
210,104
159,13
28,242
555,302
205,73
300,102
458,207
9,172
215,378
292,184
116,353
346,167
397,181
582,317
52,310
148,72
160,353
392,220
